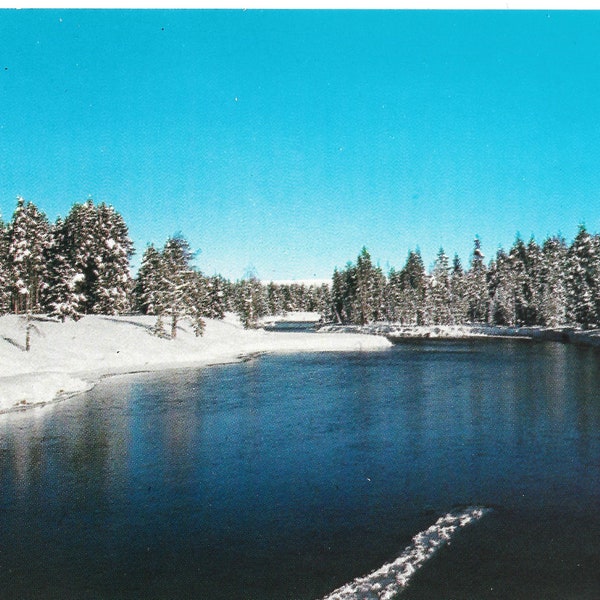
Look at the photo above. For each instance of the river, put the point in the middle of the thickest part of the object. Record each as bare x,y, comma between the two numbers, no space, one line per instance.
289,475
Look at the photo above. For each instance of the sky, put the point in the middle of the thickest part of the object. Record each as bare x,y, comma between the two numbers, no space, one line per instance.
282,142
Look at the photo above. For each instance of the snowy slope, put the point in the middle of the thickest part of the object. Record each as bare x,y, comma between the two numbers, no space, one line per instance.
68,357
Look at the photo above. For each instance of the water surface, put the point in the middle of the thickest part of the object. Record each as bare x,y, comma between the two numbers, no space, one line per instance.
288,476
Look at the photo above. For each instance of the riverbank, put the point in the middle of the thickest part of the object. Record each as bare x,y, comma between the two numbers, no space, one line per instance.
396,333
68,358
568,335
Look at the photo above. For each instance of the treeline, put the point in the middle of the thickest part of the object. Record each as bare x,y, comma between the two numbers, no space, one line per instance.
549,285
81,265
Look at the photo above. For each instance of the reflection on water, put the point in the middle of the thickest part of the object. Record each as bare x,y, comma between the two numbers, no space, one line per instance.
288,476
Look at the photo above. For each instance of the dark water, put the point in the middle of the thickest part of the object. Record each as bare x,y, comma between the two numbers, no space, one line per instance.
287,476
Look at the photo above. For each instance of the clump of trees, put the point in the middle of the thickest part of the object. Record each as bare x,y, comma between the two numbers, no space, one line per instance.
549,285
80,265
76,266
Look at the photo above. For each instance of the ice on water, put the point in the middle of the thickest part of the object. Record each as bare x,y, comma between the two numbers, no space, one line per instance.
391,578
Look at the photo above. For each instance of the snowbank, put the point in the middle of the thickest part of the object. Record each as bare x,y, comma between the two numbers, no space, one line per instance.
293,317
66,358
553,334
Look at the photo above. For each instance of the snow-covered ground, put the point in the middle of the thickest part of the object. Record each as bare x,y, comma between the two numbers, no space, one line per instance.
293,317
67,358
557,334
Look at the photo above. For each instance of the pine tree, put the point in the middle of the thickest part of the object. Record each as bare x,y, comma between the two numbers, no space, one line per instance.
81,243
412,307
477,290
459,305
198,301
63,297
583,280
28,239
339,293
217,297
502,290
167,285
251,302
525,261
368,302
148,282
323,301
440,292
533,268
552,290
393,296
99,250
113,251
4,276
275,299
176,282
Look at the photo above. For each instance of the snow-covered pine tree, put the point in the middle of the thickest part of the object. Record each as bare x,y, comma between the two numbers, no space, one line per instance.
296,296
275,299
217,297
525,261
552,291
477,289
198,300
310,298
459,305
251,301
111,293
439,291
358,293
393,296
287,300
323,300
583,280
148,282
368,302
28,238
413,285
177,282
100,249
338,295
502,289
63,297
82,248
4,278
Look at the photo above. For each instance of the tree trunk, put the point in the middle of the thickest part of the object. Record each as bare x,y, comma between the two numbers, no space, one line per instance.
174,326
28,327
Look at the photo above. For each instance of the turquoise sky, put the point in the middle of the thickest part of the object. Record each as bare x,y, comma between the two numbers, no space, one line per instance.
284,141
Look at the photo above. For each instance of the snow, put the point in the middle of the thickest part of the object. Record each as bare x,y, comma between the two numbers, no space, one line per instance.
590,337
293,317
67,358
389,580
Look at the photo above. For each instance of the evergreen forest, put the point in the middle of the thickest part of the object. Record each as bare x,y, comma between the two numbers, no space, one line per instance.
80,265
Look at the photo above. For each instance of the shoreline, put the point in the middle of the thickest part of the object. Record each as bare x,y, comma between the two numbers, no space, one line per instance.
564,334
70,358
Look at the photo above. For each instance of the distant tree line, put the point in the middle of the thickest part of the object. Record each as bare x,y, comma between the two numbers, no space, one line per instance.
549,285
81,265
